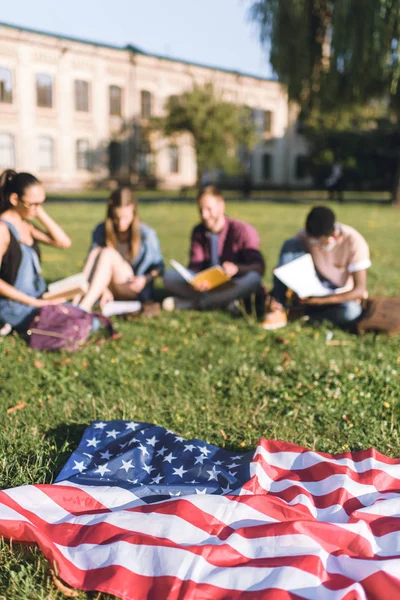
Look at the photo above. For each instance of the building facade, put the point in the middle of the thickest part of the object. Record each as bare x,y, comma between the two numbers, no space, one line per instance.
72,111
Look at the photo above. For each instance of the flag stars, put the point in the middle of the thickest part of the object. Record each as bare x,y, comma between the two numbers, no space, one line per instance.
178,438
189,448
179,471
152,441
162,451
113,433
157,479
204,450
93,442
100,425
126,465
79,466
233,465
148,468
200,459
102,470
169,458
132,426
143,449
105,455
213,474
201,491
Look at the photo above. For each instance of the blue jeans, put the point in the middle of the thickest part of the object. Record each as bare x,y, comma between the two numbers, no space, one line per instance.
344,314
220,297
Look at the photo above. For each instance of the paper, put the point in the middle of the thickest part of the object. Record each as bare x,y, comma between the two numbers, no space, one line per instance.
300,276
120,307
67,288
215,276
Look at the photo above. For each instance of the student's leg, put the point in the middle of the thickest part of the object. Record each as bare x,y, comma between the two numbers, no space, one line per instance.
240,287
343,315
176,285
111,270
291,249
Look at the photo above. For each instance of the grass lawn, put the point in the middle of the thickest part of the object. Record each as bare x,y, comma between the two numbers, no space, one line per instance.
203,375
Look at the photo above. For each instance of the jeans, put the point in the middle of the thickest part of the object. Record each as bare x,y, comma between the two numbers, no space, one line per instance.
344,314
240,287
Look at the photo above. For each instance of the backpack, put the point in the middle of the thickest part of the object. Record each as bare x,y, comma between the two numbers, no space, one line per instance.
63,327
381,313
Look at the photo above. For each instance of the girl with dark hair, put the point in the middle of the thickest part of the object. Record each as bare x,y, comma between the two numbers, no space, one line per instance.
21,282
125,255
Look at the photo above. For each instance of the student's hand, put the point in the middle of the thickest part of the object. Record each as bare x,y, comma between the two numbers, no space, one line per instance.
137,283
202,286
230,268
313,300
107,296
39,302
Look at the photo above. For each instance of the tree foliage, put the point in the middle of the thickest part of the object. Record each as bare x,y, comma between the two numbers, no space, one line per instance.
218,128
336,56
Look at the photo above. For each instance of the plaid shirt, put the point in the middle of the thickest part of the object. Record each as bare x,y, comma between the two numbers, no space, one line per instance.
238,243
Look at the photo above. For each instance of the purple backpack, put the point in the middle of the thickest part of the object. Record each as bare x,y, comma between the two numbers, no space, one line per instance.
63,327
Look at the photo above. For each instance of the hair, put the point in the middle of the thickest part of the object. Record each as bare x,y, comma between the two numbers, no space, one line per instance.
123,197
12,182
320,222
211,190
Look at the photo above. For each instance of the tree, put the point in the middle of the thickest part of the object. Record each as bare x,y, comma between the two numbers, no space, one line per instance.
335,54
218,128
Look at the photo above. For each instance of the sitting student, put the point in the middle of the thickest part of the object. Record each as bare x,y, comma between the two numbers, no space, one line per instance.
21,282
341,259
125,256
217,240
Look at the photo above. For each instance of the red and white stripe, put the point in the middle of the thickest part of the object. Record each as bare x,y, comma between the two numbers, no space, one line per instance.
306,525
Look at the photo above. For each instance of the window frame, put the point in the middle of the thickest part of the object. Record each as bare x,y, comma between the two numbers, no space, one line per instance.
3,90
78,96
113,111
11,149
50,166
49,102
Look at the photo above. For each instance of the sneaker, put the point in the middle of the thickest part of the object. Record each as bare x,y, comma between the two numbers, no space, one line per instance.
173,303
275,318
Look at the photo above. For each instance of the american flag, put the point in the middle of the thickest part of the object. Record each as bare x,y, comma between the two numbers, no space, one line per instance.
139,512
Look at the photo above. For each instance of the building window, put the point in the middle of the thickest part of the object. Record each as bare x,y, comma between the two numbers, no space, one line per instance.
145,104
81,96
7,151
115,101
267,121
301,166
44,90
6,88
266,166
83,154
173,159
46,153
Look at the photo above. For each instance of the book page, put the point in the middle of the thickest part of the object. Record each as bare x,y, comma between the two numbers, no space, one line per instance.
187,276
68,287
301,277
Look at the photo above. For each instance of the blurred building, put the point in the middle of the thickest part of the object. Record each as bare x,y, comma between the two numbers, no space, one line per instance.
72,111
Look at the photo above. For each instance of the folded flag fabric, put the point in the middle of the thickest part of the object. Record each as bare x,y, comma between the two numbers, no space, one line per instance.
139,512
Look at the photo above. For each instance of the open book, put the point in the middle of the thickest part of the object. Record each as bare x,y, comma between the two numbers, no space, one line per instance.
215,276
300,276
67,288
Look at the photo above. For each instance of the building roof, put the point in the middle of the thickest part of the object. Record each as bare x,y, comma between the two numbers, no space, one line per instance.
134,50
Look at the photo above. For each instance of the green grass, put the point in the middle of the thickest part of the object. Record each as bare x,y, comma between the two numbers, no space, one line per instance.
204,375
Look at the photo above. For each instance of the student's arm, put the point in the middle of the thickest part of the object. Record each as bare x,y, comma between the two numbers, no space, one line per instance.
9,291
359,292
250,257
54,234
